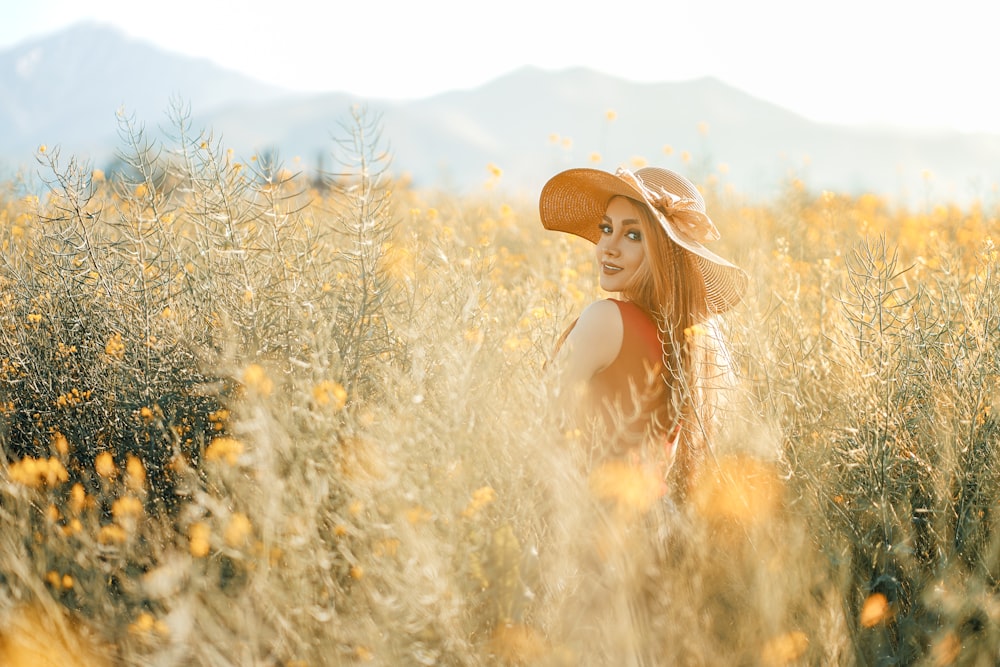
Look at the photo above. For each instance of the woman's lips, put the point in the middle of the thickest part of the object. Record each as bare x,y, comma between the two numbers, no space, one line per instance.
611,269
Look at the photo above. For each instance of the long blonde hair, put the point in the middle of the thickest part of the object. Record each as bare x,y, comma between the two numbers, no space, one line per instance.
671,289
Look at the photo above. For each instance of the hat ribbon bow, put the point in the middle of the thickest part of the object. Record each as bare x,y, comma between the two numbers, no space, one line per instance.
681,212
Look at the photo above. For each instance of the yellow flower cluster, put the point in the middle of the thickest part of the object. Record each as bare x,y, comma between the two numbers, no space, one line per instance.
329,393
742,490
59,581
127,507
225,449
481,497
72,398
146,624
59,443
104,465
136,473
115,347
875,610
77,498
199,539
256,380
36,472
784,649
111,534
630,487
237,530
219,419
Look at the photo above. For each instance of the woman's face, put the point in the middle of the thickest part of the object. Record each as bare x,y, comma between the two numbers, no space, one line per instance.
620,250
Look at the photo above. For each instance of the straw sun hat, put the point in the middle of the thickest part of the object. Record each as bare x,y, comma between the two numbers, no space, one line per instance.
575,200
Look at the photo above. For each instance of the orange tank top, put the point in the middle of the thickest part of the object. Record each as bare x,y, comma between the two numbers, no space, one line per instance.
628,394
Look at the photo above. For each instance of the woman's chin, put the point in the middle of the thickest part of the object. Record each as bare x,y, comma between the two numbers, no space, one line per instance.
611,285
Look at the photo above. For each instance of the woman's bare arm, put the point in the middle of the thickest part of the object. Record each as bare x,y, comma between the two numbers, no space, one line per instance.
592,345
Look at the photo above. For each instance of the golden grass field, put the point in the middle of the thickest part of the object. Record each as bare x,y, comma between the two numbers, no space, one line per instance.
250,419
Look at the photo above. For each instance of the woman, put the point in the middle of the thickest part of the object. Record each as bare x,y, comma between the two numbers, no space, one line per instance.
640,369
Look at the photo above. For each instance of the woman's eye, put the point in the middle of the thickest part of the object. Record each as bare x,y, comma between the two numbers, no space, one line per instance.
605,228
635,236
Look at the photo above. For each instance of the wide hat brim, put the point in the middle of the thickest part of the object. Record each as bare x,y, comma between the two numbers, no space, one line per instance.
575,201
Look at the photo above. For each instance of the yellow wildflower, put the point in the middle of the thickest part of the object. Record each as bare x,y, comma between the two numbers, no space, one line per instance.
143,623
72,528
136,473
255,378
199,535
111,534
417,515
238,530
115,347
330,393
481,497
875,610
631,487
784,649
34,472
72,398
741,489
127,506
104,465
59,443
224,448
55,472
77,498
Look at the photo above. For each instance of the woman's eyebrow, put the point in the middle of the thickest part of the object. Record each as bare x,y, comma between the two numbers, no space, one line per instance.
628,221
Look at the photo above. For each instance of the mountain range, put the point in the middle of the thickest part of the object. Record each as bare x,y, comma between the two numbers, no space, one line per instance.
65,89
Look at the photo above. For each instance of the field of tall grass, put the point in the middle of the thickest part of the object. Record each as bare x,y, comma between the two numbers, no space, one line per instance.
254,418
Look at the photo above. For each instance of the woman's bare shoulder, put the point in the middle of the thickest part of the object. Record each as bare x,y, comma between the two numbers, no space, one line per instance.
596,339
602,314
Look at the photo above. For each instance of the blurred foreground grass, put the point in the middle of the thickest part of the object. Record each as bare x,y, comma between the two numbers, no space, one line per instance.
253,420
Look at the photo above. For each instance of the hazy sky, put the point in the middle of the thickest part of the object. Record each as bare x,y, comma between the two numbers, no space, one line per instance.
914,63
